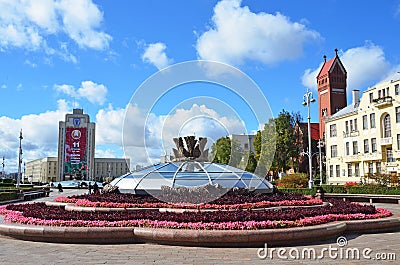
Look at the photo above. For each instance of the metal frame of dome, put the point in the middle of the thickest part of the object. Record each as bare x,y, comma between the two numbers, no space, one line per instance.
189,173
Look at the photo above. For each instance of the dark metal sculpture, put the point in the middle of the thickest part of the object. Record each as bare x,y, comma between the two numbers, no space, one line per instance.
194,149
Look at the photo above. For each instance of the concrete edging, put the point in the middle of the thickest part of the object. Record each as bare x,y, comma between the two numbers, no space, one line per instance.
204,238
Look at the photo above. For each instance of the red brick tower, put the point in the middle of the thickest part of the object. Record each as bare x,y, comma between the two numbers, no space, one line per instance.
332,83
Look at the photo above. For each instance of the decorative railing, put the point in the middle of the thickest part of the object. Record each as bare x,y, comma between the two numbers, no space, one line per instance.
351,134
386,141
383,101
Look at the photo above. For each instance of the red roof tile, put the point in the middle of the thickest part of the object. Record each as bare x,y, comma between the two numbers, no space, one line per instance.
326,67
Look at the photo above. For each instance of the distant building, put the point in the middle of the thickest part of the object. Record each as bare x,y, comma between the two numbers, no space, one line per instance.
44,170
76,146
106,169
246,141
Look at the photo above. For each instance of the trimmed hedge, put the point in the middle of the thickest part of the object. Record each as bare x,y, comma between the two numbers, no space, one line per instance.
368,189
303,191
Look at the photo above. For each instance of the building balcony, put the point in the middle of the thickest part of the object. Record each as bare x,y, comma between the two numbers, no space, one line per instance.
352,158
351,134
386,141
372,156
383,102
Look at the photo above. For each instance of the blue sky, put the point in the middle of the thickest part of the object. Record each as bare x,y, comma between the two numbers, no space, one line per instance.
92,54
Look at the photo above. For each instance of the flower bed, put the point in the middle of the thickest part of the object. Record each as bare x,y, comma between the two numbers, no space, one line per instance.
243,200
40,214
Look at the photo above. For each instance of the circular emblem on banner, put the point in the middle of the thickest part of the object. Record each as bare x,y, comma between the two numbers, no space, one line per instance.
76,134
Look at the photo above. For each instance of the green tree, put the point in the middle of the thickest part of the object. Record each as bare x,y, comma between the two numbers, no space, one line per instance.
251,164
257,145
279,143
227,152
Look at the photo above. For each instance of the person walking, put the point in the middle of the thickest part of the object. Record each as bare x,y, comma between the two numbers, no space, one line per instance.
90,188
59,186
95,188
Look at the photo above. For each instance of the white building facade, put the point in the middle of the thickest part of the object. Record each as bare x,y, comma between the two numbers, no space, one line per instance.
364,137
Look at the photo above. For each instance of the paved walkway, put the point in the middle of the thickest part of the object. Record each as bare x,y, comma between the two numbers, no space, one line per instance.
25,252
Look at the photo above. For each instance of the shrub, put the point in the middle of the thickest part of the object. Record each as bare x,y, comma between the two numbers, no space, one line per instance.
6,196
297,180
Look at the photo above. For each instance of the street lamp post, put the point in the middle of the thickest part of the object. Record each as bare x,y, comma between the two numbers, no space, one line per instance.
320,160
308,99
3,172
19,159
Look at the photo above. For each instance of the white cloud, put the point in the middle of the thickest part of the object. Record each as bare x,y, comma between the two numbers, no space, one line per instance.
364,64
146,145
155,54
237,34
94,93
80,19
26,24
40,135
109,123
40,132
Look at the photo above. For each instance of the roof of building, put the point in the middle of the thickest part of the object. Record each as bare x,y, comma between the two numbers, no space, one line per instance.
326,67
348,110
314,126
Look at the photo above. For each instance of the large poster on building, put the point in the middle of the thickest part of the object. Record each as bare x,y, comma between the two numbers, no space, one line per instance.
75,151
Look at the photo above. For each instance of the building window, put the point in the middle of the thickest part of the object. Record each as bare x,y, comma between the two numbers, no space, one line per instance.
387,131
337,171
349,170
331,171
366,146
347,127
355,126
389,155
397,114
378,167
351,126
355,147
371,97
347,148
370,168
396,89
357,170
333,132
373,145
333,150
365,122
372,120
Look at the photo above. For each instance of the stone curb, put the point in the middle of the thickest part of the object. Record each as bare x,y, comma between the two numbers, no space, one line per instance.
204,238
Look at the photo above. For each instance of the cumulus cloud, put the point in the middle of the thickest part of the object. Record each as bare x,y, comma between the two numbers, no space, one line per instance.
364,64
237,34
94,93
26,23
146,144
155,54
40,132
80,19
